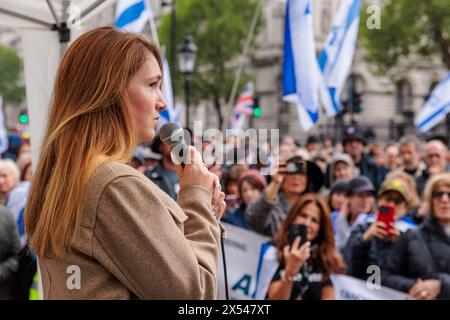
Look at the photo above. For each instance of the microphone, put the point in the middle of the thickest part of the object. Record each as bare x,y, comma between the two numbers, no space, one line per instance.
172,134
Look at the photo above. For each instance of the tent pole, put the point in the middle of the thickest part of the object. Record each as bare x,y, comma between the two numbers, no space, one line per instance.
91,7
52,10
26,18
64,41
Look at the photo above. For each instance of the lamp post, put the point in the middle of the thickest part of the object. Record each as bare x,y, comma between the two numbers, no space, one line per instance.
187,57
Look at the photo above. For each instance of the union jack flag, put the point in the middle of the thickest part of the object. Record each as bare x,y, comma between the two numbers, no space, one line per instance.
243,108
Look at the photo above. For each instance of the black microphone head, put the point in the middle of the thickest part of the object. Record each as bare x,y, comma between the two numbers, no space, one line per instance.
172,134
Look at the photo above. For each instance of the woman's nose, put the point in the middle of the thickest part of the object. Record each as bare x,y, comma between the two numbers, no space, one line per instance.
161,104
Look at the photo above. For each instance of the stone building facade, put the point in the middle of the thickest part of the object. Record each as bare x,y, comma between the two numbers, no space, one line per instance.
389,102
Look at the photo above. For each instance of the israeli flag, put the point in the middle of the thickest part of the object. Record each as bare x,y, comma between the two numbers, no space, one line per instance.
132,15
3,134
436,107
336,58
301,74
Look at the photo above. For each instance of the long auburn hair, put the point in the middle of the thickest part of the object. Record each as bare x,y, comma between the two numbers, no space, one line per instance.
329,260
89,124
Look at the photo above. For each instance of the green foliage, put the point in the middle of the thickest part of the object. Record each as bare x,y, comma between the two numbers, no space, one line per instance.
10,70
409,28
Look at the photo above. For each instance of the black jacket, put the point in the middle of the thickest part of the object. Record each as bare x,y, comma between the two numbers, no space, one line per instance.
422,253
360,254
166,180
9,251
369,168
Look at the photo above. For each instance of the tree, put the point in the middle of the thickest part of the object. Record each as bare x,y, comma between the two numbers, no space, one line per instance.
219,29
410,29
10,70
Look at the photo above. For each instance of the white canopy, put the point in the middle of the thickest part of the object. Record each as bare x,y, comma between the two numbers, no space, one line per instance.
46,27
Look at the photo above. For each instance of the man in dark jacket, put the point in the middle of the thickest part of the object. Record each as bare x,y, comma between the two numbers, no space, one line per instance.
164,174
371,240
9,252
353,143
436,162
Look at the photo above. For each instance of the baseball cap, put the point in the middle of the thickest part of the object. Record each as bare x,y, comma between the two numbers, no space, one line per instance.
353,133
394,185
360,184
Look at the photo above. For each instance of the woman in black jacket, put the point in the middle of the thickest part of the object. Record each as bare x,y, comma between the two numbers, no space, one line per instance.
420,260
371,240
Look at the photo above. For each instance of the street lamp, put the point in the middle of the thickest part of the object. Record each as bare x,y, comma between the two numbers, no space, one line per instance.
187,57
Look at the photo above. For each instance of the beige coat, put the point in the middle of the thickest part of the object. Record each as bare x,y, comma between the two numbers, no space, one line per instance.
136,242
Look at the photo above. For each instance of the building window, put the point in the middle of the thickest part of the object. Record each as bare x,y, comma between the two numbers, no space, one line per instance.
403,95
430,90
325,21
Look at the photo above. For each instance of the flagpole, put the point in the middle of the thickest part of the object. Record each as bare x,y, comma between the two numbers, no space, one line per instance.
250,35
151,23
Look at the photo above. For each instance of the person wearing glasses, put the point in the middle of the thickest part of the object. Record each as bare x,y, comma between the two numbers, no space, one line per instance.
419,262
371,240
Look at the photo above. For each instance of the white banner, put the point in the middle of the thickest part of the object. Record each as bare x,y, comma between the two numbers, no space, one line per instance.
349,288
251,264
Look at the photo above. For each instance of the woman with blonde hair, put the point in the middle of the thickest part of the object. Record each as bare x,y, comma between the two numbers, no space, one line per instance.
95,220
9,178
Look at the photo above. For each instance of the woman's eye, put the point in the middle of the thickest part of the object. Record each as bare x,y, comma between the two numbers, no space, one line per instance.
153,84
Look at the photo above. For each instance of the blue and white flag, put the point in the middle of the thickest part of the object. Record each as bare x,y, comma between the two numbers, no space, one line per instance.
436,107
337,55
3,134
132,15
301,74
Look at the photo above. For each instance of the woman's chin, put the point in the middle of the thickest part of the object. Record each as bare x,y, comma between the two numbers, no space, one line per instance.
149,135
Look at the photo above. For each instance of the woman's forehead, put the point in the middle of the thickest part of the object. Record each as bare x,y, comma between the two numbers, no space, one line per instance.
442,185
150,68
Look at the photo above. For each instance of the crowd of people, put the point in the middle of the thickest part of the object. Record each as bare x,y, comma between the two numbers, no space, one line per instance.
335,189
17,263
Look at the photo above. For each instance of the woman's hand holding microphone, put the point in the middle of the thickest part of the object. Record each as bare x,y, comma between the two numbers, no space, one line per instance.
196,173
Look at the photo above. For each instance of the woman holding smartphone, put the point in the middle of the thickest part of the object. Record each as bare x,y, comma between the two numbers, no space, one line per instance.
307,264
371,239
419,262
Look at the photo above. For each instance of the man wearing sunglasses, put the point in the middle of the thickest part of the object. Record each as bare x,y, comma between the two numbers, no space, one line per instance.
370,241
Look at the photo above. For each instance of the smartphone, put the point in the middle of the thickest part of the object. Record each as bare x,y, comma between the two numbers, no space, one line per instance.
387,215
232,201
296,230
294,167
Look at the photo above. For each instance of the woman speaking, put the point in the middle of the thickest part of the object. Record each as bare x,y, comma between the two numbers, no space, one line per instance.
101,229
